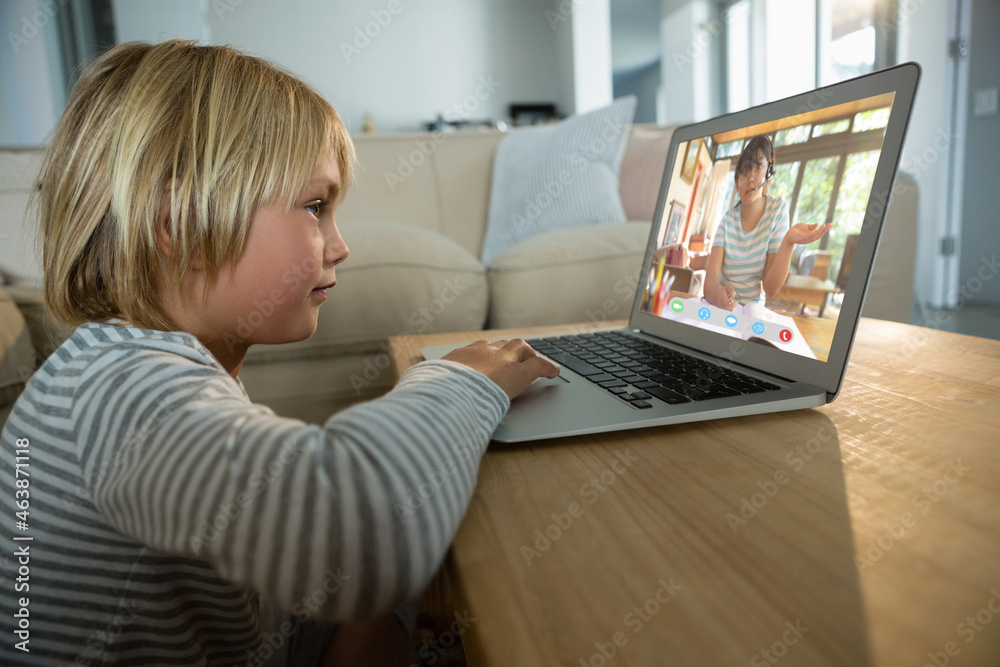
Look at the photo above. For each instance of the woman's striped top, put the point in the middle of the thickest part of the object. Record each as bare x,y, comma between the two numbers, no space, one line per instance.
746,252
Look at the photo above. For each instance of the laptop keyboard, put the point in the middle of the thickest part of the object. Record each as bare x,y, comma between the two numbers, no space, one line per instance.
637,371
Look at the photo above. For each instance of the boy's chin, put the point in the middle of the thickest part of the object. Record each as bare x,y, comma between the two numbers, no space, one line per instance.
290,334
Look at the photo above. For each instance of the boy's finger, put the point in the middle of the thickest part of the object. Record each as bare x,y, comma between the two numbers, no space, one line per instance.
540,367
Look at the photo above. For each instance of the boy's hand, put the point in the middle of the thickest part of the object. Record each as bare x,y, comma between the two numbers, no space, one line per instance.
512,364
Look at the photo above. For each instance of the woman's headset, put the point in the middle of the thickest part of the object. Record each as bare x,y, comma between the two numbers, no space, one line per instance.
770,159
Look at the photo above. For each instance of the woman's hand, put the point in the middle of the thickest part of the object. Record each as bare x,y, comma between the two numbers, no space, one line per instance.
802,234
728,297
721,296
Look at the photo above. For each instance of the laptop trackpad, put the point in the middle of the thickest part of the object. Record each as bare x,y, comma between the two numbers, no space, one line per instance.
542,386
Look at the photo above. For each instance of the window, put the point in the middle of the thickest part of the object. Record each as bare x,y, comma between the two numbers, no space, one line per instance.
789,50
847,39
873,119
813,203
779,48
730,148
831,128
849,212
738,51
783,182
792,135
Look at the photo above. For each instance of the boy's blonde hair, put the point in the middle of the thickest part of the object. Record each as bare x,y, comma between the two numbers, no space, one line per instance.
205,133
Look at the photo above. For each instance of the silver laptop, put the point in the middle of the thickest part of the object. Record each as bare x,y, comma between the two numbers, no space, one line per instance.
683,359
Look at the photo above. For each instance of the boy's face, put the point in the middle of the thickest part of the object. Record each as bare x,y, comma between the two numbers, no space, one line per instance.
280,281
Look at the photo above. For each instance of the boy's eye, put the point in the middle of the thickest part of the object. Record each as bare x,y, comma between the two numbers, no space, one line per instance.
315,208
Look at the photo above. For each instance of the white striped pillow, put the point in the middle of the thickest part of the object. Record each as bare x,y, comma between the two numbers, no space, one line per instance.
558,176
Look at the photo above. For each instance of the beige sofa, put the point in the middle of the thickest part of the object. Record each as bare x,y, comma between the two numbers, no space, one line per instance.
414,220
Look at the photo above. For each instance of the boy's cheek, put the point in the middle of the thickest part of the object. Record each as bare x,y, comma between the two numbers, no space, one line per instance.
289,278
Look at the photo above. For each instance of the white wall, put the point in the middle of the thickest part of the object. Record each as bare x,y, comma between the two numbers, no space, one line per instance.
26,28
592,77
402,61
6,128
155,20
929,140
980,243
688,68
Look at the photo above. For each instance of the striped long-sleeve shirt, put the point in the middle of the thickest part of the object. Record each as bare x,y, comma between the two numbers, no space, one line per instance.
163,505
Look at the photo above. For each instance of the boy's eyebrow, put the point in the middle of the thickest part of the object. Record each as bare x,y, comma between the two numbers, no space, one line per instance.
332,187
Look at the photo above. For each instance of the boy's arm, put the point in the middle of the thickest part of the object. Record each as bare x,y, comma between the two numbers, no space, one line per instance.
342,521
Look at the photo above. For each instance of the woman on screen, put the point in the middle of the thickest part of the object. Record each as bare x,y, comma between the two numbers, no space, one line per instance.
753,245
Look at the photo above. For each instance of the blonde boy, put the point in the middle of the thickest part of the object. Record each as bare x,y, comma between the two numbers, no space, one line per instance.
172,520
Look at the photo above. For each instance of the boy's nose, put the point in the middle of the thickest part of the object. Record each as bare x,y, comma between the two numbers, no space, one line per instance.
336,248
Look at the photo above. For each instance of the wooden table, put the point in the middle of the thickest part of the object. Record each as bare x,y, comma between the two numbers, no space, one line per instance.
817,332
807,290
866,532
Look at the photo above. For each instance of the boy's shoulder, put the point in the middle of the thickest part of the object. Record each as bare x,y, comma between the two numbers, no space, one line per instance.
115,338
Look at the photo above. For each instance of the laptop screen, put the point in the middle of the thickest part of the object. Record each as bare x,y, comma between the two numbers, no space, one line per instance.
759,229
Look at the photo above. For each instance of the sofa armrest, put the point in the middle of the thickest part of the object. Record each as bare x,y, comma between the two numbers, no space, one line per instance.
46,333
17,353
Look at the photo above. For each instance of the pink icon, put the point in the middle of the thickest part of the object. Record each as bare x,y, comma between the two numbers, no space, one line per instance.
785,335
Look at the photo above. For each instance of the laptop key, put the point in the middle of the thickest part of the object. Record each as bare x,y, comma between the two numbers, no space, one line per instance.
742,387
667,396
574,364
718,392
611,383
642,405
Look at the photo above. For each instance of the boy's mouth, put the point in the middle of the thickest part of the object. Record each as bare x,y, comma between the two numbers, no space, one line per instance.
322,290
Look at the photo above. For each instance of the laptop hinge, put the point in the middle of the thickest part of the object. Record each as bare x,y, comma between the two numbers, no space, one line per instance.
715,359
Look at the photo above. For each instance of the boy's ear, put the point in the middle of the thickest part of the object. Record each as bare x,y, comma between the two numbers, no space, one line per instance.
164,230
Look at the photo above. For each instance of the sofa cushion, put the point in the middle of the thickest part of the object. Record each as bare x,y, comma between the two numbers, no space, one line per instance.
642,170
587,274
556,177
17,355
399,279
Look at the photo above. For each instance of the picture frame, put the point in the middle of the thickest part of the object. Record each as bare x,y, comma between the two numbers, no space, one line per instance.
675,222
690,163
